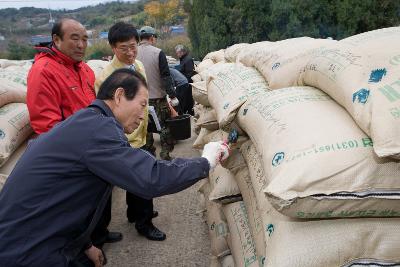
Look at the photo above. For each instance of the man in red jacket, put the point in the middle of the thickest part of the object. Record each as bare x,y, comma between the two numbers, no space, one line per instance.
60,84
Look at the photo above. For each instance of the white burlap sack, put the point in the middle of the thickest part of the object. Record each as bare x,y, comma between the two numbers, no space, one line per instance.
217,226
216,56
205,64
199,142
227,261
196,78
14,128
3,179
207,119
235,162
223,186
281,64
199,92
362,74
239,239
232,52
197,108
315,243
252,52
229,87
317,161
13,85
7,168
214,262
97,65
243,180
5,63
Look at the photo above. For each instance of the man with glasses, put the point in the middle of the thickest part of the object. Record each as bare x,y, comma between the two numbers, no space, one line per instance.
123,39
160,85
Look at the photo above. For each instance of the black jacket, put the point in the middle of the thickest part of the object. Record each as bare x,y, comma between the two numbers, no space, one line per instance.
186,66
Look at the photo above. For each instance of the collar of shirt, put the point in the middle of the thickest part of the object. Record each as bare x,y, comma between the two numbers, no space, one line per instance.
102,105
119,65
144,42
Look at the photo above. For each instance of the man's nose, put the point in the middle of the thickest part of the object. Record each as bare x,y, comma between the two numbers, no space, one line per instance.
81,43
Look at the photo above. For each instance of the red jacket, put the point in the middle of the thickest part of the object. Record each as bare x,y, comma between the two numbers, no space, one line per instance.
58,86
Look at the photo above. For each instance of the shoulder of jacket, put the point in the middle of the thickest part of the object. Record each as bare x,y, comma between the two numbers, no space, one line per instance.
87,67
109,128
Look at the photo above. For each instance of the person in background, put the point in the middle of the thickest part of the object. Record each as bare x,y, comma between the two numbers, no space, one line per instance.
183,92
186,63
160,85
57,191
123,39
186,67
60,84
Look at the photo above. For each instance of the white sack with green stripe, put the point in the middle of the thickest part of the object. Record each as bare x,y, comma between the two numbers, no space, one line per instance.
317,161
362,73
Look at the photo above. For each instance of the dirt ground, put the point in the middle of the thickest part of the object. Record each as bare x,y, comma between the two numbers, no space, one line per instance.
187,242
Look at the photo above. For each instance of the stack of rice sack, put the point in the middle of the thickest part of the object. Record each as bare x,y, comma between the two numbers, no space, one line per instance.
319,177
231,84
14,117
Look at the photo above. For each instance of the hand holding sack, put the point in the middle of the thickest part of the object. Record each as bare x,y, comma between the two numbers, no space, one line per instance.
215,152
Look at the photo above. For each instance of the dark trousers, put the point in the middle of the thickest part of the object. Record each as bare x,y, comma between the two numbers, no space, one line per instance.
100,232
184,95
139,209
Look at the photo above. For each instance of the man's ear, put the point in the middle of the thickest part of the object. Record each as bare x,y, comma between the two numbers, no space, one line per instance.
119,93
56,39
113,48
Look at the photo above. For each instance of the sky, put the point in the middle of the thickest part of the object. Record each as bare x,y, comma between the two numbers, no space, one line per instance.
53,4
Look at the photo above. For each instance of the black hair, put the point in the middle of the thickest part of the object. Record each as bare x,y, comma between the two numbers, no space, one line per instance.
57,28
127,79
146,36
122,32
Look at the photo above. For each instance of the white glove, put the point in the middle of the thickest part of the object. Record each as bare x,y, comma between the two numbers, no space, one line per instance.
174,101
215,152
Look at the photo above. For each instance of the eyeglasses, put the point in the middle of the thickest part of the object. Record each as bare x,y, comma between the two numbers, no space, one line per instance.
126,49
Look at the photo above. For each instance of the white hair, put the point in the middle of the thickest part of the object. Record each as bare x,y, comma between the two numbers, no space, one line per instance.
180,48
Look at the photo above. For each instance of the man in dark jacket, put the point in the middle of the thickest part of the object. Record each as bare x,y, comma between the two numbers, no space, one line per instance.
57,191
183,92
186,67
186,64
60,84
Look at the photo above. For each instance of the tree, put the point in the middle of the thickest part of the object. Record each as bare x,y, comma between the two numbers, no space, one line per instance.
217,24
160,14
18,51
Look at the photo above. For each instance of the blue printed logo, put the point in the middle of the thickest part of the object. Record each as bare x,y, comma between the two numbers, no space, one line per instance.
262,261
212,226
377,75
270,229
278,158
2,134
226,105
361,96
276,65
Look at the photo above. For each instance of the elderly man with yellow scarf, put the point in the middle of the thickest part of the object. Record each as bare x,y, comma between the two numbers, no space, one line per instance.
124,39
